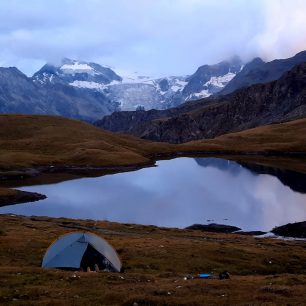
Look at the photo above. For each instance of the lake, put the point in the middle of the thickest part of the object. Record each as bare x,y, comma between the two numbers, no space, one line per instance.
177,193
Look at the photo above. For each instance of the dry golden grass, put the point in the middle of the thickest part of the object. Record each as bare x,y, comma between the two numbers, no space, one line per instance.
263,271
7,192
284,137
31,141
27,141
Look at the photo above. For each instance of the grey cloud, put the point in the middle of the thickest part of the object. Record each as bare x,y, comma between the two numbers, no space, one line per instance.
153,37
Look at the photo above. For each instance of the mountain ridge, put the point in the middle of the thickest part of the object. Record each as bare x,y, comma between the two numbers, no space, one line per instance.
141,91
89,91
257,71
259,104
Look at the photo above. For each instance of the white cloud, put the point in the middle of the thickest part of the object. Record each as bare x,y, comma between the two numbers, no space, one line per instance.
284,33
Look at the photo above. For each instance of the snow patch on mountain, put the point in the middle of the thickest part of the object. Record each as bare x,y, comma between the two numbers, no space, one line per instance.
44,79
221,81
199,95
77,67
134,77
92,85
215,84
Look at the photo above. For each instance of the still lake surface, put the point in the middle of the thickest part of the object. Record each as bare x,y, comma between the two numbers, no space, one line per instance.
176,193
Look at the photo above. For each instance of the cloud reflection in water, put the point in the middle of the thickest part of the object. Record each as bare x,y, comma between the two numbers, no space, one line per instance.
177,193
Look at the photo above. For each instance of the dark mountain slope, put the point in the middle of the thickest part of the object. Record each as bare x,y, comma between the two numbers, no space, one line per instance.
260,104
257,71
128,121
20,95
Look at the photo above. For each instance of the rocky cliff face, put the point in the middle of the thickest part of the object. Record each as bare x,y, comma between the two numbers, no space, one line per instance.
260,104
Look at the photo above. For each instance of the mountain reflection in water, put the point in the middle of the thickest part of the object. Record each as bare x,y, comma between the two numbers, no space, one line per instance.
177,193
295,180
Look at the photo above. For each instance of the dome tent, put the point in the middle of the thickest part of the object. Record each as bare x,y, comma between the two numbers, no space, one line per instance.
78,251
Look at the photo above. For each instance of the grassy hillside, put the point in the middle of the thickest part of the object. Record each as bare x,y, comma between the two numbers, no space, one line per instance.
276,145
27,141
284,137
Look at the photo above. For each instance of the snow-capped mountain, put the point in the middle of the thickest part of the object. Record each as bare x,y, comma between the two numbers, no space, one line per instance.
211,79
134,91
21,94
88,91
71,71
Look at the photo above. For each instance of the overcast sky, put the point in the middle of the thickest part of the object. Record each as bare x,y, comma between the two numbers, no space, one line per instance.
153,37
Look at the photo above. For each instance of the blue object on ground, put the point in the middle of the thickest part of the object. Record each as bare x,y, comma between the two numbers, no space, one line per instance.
204,275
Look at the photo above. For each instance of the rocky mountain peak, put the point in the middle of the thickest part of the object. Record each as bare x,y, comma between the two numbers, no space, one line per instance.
75,72
210,79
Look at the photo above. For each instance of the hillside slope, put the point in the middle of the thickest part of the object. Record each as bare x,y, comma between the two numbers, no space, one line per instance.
31,141
287,137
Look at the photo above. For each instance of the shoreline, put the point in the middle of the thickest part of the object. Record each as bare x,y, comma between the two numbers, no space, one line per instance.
57,173
20,197
282,232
